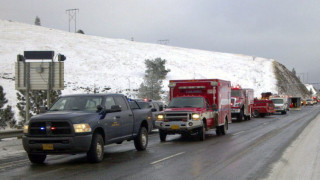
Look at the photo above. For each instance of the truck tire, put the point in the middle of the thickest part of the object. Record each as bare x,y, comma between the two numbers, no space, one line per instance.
37,159
218,131
224,128
96,151
162,135
141,141
240,116
263,114
256,113
284,112
202,133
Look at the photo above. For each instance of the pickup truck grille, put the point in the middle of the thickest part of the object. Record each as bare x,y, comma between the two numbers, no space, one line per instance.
50,128
177,116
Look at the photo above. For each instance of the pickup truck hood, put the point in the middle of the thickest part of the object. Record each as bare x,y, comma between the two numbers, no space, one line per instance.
74,116
184,109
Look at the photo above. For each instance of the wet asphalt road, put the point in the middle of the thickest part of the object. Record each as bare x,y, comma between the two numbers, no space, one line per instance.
246,152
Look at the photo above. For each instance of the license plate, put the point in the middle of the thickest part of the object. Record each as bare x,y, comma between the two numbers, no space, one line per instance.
47,146
175,127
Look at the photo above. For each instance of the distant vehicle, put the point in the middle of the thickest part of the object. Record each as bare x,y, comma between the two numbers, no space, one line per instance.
155,106
241,103
280,103
263,107
84,124
309,102
195,107
266,95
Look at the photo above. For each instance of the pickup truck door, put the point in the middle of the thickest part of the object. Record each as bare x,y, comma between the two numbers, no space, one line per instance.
112,120
126,116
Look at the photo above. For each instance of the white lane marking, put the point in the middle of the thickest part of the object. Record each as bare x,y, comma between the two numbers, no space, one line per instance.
238,133
167,158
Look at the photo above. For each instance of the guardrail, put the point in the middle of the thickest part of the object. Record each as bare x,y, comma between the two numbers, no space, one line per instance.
11,133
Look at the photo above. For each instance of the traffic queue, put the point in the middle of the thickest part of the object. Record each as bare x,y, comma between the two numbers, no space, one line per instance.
86,123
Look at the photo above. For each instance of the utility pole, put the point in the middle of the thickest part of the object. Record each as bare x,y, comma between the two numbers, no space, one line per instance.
72,16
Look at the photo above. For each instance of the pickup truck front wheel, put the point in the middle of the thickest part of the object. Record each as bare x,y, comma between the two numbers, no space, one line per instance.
96,152
141,141
202,133
37,159
163,135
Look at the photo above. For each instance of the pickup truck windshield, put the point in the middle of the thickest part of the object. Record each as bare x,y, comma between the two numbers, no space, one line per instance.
181,102
77,103
277,101
235,93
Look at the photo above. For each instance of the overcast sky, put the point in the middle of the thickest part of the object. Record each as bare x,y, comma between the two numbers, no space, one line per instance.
285,30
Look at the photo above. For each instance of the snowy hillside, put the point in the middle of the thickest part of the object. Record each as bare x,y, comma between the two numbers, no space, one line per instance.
102,62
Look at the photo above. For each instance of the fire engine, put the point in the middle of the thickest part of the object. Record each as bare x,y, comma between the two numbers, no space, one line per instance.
195,107
241,103
263,107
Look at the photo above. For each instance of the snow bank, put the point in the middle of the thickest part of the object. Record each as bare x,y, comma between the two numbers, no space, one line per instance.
102,62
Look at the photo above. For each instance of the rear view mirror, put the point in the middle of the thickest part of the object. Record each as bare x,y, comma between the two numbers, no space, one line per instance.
161,108
153,110
99,108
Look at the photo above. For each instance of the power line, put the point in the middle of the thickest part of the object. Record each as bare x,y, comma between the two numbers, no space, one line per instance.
72,16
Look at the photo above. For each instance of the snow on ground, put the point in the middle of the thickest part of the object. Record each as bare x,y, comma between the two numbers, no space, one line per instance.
301,160
116,63
310,86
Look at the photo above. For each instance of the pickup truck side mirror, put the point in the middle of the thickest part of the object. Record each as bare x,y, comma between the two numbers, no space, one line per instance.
161,108
99,108
43,109
214,107
114,108
153,110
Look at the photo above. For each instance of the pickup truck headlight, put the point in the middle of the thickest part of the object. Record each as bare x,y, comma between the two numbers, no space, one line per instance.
81,128
25,129
160,117
196,116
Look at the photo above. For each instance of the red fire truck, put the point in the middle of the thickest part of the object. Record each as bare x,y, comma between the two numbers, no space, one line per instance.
241,103
195,107
263,107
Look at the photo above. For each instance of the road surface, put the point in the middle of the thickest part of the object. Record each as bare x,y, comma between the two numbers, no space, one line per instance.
248,151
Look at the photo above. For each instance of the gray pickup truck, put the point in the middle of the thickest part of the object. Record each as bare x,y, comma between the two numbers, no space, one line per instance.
84,123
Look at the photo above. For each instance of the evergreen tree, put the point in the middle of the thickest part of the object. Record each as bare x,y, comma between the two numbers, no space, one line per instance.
3,100
37,100
37,21
154,75
311,91
293,71
6,114
80,31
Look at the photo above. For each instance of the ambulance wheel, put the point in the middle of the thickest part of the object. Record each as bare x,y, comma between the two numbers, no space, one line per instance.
224,128
218,131
202,133
162,135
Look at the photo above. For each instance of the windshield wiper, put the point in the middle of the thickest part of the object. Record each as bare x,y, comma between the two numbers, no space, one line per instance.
173,107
